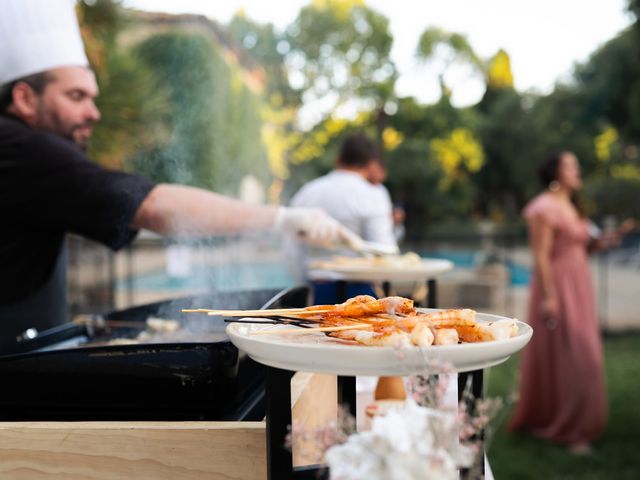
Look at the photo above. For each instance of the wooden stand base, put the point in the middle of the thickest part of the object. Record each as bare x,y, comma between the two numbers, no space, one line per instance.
160,450
140,450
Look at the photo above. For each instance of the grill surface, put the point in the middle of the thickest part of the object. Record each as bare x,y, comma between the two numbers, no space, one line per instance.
55,377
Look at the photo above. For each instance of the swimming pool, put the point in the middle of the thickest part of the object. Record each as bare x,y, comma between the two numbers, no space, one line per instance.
518,274
223,278
273,274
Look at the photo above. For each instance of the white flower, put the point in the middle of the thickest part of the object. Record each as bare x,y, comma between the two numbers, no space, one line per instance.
411,443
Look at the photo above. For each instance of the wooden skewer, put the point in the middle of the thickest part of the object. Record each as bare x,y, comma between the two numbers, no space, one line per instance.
275,320
262,313
359,326
231,313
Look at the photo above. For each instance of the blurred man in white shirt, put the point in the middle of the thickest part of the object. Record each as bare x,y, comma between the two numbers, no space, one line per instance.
377,174
348,196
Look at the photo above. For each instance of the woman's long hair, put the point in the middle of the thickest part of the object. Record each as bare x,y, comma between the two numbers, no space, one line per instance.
548,172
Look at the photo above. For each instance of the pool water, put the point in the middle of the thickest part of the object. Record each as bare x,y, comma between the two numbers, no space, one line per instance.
519,274
224,278
263,275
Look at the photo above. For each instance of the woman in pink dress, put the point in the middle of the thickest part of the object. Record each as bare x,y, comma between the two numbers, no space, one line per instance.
562,390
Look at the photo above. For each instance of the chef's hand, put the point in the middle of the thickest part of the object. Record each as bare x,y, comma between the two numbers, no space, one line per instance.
313,225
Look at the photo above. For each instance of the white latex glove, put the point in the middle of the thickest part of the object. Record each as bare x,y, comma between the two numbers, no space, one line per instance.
313,225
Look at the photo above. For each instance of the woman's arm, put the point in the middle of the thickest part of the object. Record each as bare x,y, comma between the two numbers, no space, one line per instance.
541,237
613,239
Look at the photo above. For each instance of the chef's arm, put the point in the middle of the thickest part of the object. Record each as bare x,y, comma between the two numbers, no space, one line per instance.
177,209
180,210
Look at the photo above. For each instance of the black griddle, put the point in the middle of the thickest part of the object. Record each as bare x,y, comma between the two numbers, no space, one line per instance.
55,376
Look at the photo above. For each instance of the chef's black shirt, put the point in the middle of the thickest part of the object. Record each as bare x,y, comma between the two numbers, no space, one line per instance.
49,187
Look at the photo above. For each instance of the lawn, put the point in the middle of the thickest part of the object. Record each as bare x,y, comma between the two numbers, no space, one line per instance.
616,455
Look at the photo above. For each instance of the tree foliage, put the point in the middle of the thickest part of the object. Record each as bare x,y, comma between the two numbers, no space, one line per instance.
183,112
130,98
459,49
267,48
211,117
340,50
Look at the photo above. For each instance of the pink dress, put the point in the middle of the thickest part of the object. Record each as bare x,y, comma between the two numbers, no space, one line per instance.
562,392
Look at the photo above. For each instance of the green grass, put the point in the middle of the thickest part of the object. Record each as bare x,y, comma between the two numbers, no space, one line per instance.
616,456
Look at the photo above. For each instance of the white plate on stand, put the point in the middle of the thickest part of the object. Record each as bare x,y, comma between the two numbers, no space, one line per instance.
316,352
357,271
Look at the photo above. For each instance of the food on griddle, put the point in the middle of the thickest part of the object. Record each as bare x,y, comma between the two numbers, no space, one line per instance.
120,341
162,325
162,330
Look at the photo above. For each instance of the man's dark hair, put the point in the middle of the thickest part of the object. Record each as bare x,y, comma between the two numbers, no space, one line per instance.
37,81
357,151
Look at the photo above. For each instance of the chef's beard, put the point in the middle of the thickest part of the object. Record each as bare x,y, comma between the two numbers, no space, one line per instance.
51,122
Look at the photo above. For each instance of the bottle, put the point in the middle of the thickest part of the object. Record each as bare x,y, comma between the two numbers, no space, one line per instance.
390,388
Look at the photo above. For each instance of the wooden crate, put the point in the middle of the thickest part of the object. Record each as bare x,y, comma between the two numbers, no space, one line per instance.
157,450
132,450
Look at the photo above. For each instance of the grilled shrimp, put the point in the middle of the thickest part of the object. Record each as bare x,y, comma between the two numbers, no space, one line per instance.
394,322
440,319
445,336
501,329
372,338
421,335
366,305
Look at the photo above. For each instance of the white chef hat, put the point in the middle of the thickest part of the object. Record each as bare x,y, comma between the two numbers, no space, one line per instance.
38,35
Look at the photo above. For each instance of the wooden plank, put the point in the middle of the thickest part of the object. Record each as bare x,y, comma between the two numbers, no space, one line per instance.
132,450
159,450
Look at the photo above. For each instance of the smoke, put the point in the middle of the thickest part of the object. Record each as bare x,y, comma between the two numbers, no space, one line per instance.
212,141
231,272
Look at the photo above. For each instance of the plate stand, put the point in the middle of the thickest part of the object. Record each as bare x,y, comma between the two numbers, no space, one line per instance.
278,414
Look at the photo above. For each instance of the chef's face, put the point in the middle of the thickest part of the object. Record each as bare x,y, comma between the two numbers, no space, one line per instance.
66,105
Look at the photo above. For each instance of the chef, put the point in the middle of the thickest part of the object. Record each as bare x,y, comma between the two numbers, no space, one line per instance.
49,187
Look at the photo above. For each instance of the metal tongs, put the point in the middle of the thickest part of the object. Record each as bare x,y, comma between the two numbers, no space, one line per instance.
364,247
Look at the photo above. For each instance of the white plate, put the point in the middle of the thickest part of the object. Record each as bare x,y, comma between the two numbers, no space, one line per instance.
315,352
428,268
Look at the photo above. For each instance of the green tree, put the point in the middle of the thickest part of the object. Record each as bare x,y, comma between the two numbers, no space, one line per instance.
453,48
340,53
417,175
634,7
214,119
131,101
267,48
610,81
597,116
